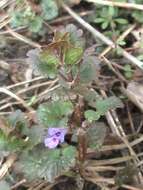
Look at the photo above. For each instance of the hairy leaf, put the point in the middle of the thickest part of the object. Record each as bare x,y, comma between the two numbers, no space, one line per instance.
17,120
35,134
91,97
75,35
36,24
44,62
105,105
11,144
48,63
16,19
55,114
96,134
50,9
47,164
89,69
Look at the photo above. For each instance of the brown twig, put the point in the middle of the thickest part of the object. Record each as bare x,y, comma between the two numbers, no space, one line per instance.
18,184
117,73
11,94
23,38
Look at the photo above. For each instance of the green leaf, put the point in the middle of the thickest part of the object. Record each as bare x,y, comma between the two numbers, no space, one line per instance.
48,63
35,133
105,105
89,69
49,9
104,25
127,68
31,100
91,115
3,146
36,24
121,42
16,19
75,35
55,114
49,58
11,144
99,20
121,20
91,96
47,164
128,71
96,134
73,55
138,16
17,120
119,50
111,11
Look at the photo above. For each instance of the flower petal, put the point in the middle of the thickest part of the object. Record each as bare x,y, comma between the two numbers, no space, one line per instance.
52,131
63,133
51,142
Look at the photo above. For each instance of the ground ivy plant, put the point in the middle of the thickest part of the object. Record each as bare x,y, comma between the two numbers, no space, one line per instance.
67,122
33,14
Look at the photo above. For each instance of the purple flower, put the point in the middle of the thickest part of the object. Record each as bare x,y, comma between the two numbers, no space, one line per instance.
55,137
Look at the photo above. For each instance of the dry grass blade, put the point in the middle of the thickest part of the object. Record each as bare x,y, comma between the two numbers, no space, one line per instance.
111,161
9,93
118,146
4,23
5,167
118,4
3,3
112,182
23,38
103,168
18,184
133,96
25,82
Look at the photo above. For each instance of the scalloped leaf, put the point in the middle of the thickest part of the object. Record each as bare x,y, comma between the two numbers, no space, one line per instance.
35,133
105,105
49,9
96,134
47,164
89,69
44,62
55,114
75,35
48,63
17,120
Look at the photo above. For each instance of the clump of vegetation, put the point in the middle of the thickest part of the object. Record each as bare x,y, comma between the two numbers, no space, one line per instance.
66,128
33,15
46,148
